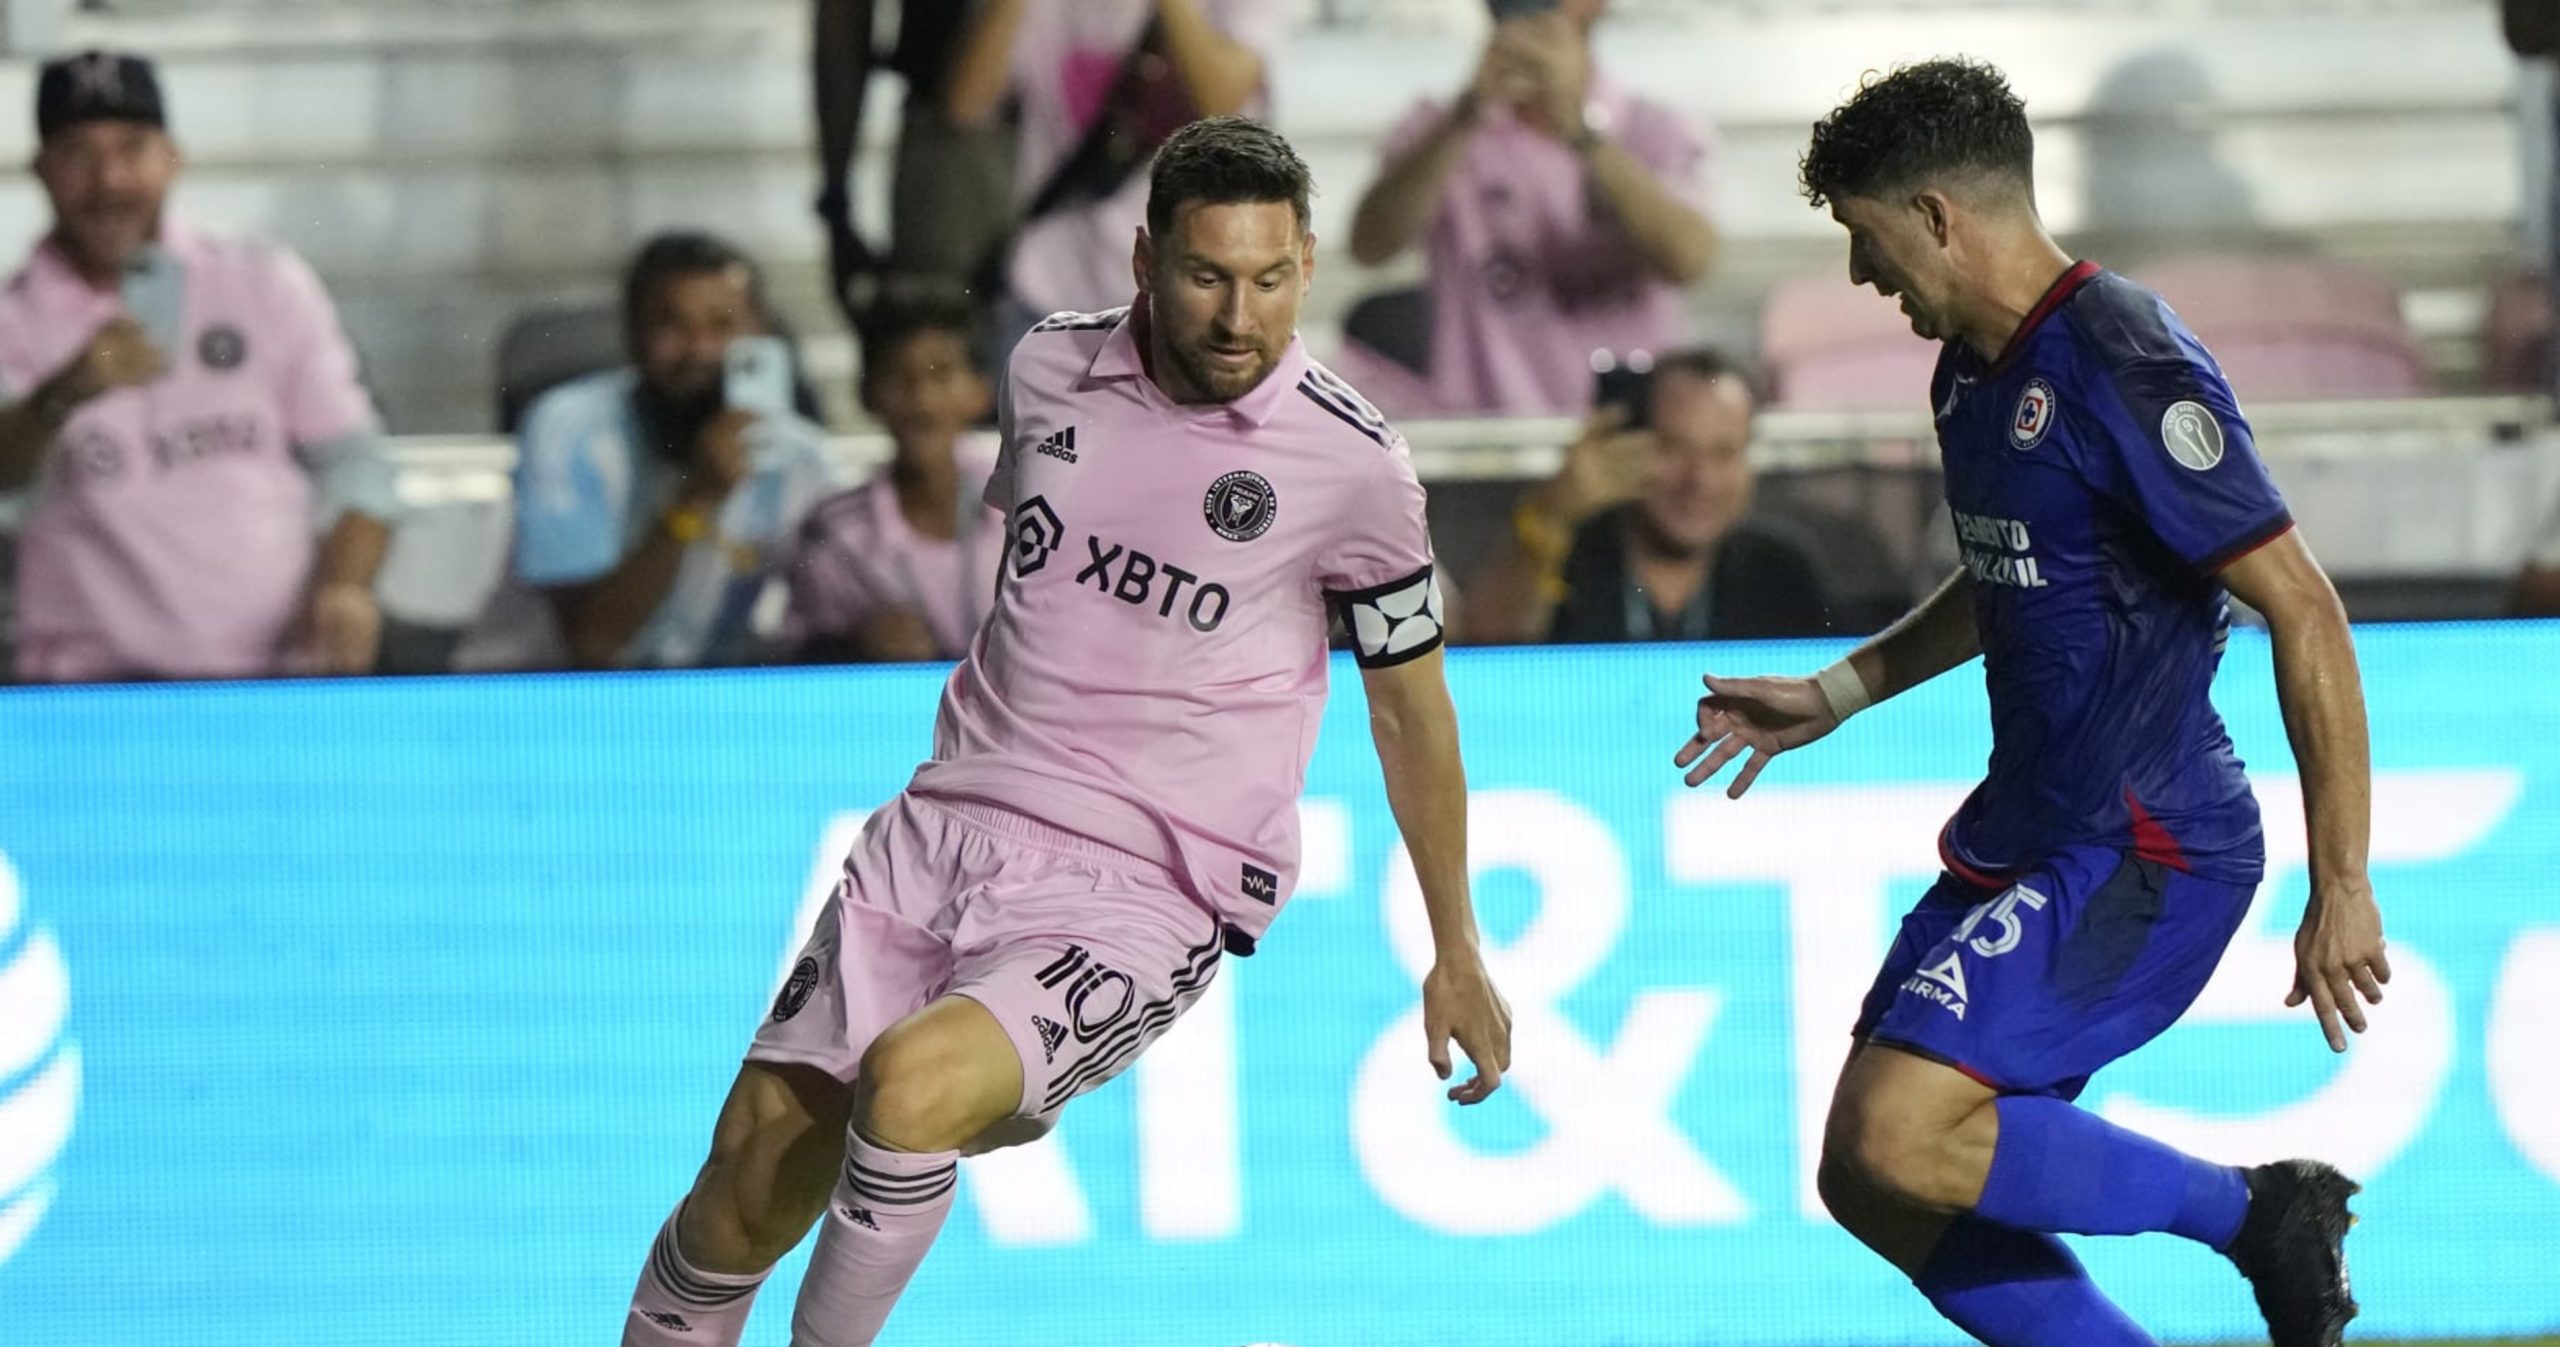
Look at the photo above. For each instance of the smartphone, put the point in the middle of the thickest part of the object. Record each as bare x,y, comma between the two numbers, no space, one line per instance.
755,376
1624,383
1518,9
154,292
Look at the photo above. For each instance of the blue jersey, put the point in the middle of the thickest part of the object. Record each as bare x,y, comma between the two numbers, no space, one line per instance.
2100,476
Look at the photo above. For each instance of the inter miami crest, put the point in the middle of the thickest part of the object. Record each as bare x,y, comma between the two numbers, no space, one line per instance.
222,347
1240,506
795,992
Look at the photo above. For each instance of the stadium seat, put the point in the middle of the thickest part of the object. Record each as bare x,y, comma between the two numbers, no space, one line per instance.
1826,345
546,347
2295,328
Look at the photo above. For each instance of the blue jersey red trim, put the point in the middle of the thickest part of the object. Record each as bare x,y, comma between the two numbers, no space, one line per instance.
2063,287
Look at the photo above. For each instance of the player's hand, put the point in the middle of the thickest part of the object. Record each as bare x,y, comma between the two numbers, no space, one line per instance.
346,628
1603,468
119,355
1760,716
1459,1002
2337,957
719,457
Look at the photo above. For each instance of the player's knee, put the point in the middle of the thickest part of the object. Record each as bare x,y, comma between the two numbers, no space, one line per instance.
922,1091
1875,1149
722,1231
1836,1180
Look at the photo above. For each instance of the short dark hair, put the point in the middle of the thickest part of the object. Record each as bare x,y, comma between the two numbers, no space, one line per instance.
684,253
891,324
1223,161
1707,362
1939,119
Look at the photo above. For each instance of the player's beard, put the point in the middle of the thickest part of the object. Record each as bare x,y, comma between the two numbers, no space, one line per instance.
1215,383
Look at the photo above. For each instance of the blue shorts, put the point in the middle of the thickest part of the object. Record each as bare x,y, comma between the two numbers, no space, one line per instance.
2031,989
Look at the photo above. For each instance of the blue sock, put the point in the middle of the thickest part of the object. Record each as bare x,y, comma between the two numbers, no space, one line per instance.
2017,1288
2059,1168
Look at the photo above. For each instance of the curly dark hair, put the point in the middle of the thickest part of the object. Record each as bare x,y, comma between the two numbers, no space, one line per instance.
1224,161
1938,119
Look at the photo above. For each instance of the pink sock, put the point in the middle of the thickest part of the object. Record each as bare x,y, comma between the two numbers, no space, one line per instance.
880,1220
680,1305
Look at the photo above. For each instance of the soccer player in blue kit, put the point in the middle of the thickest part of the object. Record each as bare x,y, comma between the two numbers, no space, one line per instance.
2107,502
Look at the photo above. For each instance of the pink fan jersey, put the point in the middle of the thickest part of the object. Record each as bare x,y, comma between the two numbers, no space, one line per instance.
174,527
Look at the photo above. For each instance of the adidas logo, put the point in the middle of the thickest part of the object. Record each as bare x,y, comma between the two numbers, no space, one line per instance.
1061,446
1052,1034
859,1216
672,1322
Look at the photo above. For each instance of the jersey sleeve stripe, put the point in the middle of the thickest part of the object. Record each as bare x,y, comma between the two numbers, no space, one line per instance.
1070,321
2249,542
1348,417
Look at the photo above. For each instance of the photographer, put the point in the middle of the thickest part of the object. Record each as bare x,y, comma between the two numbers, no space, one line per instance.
1644,534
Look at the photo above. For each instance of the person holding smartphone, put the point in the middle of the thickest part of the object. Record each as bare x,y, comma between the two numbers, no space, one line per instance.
1646,532
1561,215
655,502
182,406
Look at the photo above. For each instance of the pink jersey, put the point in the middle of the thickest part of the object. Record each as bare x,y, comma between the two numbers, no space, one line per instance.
1527,279
1154,671
859,557
172,533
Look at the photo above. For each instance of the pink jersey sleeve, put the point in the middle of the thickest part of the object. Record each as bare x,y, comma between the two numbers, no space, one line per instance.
319,394
998,492
1680,152
1417,123
1378,569
832,592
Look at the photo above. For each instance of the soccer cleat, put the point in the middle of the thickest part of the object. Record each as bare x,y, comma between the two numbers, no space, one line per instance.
2292,1248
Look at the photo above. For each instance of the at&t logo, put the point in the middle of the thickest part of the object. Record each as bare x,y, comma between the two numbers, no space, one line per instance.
39,1066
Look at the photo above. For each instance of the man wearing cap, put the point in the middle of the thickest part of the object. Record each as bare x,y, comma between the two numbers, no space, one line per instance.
211,497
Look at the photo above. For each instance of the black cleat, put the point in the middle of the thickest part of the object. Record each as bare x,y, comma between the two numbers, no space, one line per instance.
2292,1248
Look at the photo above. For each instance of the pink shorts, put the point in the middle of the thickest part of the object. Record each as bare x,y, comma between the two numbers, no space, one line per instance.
1084,953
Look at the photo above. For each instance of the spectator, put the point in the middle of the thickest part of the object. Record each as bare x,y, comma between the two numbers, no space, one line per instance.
652,503
950,187
1563,216
1647,535
903,567
1098,85
185,404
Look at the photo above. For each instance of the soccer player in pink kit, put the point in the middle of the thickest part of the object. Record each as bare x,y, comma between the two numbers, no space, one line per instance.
1110,804
181,402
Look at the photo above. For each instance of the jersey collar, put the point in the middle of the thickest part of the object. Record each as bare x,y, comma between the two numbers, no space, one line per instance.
2063,287
1119,358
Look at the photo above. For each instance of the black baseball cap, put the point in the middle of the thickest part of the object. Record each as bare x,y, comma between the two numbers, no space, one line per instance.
97,86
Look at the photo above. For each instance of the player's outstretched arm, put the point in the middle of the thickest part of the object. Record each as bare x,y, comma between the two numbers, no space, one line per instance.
1416,731
1767,716
2338,952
